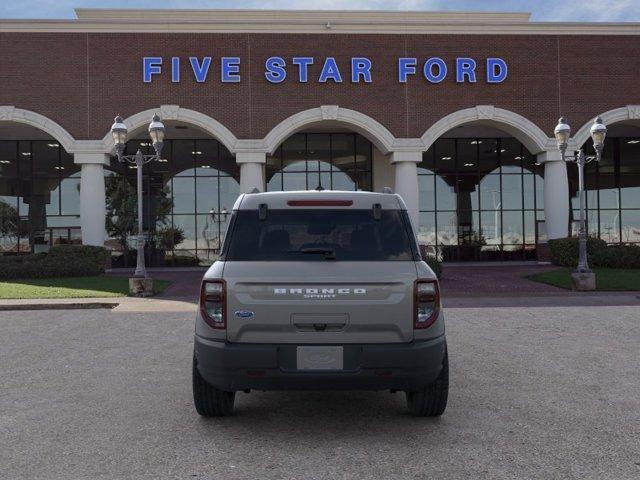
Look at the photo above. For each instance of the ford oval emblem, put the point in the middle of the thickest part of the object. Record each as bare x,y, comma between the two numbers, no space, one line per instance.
243,313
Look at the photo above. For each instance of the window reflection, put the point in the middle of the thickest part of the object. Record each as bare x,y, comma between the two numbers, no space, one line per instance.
613,191
333,161
485,202
39,196
188,197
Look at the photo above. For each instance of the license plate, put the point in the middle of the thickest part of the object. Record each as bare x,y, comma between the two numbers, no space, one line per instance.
319,358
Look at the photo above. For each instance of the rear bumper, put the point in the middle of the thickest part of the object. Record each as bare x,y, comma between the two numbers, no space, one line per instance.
404,366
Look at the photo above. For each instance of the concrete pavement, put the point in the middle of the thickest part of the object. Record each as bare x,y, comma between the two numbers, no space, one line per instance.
541,392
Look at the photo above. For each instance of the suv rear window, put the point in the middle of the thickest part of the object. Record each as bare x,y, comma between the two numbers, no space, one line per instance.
307,234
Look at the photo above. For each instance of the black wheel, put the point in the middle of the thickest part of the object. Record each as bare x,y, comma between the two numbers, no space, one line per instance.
432,401
208,400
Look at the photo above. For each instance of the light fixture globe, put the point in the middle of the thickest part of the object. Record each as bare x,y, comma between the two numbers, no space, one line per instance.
598,133
119,131
562,133
156,129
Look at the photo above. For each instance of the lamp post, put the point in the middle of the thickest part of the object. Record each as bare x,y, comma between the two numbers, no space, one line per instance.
156,133
583,277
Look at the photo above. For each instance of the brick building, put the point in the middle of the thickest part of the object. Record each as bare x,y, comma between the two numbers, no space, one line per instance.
454,111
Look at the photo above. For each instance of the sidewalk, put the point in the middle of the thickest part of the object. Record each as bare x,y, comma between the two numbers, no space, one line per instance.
463,286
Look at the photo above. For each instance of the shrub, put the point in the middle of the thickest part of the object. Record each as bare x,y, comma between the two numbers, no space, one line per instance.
564,251
435,265
431,259
617,256
60,261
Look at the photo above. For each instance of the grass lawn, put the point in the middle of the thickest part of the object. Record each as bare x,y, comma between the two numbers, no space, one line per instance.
71,287
606,278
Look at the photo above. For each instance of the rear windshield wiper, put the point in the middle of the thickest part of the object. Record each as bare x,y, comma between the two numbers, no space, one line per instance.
329,253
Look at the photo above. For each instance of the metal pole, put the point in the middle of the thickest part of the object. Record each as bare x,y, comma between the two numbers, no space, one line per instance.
583,266
141,271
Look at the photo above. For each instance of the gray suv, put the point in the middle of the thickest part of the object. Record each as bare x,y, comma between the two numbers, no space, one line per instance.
320,290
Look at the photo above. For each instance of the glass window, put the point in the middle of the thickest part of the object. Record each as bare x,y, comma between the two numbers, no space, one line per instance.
630,223
630,191
488,156
467,154
183,155
46,158
610,226
295,235
447,228
445,193
206,195
427,164
8,159
319,152
512,229
337,161
490,198
445,156
608,191
70,196
512,192
426,192
427,228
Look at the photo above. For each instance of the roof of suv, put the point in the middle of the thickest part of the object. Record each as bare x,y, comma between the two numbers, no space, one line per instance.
319,199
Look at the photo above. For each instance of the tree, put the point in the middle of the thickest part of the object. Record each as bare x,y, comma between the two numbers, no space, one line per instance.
122,209
10,223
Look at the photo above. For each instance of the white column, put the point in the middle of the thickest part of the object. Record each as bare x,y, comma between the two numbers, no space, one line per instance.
556,194
92,197
406,182
251,170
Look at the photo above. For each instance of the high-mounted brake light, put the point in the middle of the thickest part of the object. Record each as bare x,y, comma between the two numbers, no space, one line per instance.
320,203
426,303
213,299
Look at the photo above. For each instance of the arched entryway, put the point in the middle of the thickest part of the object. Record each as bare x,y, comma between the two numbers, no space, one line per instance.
39,184
188,196
481,186
613,184
328,147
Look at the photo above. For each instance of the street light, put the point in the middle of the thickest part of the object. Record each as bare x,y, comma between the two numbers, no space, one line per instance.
562,133
119,133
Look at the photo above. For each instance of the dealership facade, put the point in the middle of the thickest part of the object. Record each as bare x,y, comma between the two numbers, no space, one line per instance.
453,111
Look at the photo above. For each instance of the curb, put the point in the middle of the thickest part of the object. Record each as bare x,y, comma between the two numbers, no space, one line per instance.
58,306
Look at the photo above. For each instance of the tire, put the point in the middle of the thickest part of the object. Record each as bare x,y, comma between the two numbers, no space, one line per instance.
432,401
208,400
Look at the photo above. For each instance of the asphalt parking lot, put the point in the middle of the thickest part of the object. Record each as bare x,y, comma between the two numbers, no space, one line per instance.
551,392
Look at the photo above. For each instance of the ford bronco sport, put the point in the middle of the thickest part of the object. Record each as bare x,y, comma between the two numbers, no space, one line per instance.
320,290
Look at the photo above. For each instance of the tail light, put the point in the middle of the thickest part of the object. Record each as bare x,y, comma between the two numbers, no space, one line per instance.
213,306
427,303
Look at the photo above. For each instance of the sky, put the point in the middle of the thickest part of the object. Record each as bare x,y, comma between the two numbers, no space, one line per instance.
542,10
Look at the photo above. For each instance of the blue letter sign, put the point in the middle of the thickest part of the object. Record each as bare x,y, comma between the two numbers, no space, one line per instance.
150,66
496,70
435,69
200,71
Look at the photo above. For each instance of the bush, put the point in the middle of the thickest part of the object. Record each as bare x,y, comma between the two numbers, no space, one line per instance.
60,261
564,251
617,256
431,259
435,265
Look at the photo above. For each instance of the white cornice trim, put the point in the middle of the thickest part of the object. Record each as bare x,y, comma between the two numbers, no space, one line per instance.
327,22
291,16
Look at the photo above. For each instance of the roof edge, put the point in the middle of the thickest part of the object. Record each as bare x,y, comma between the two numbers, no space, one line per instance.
294,16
